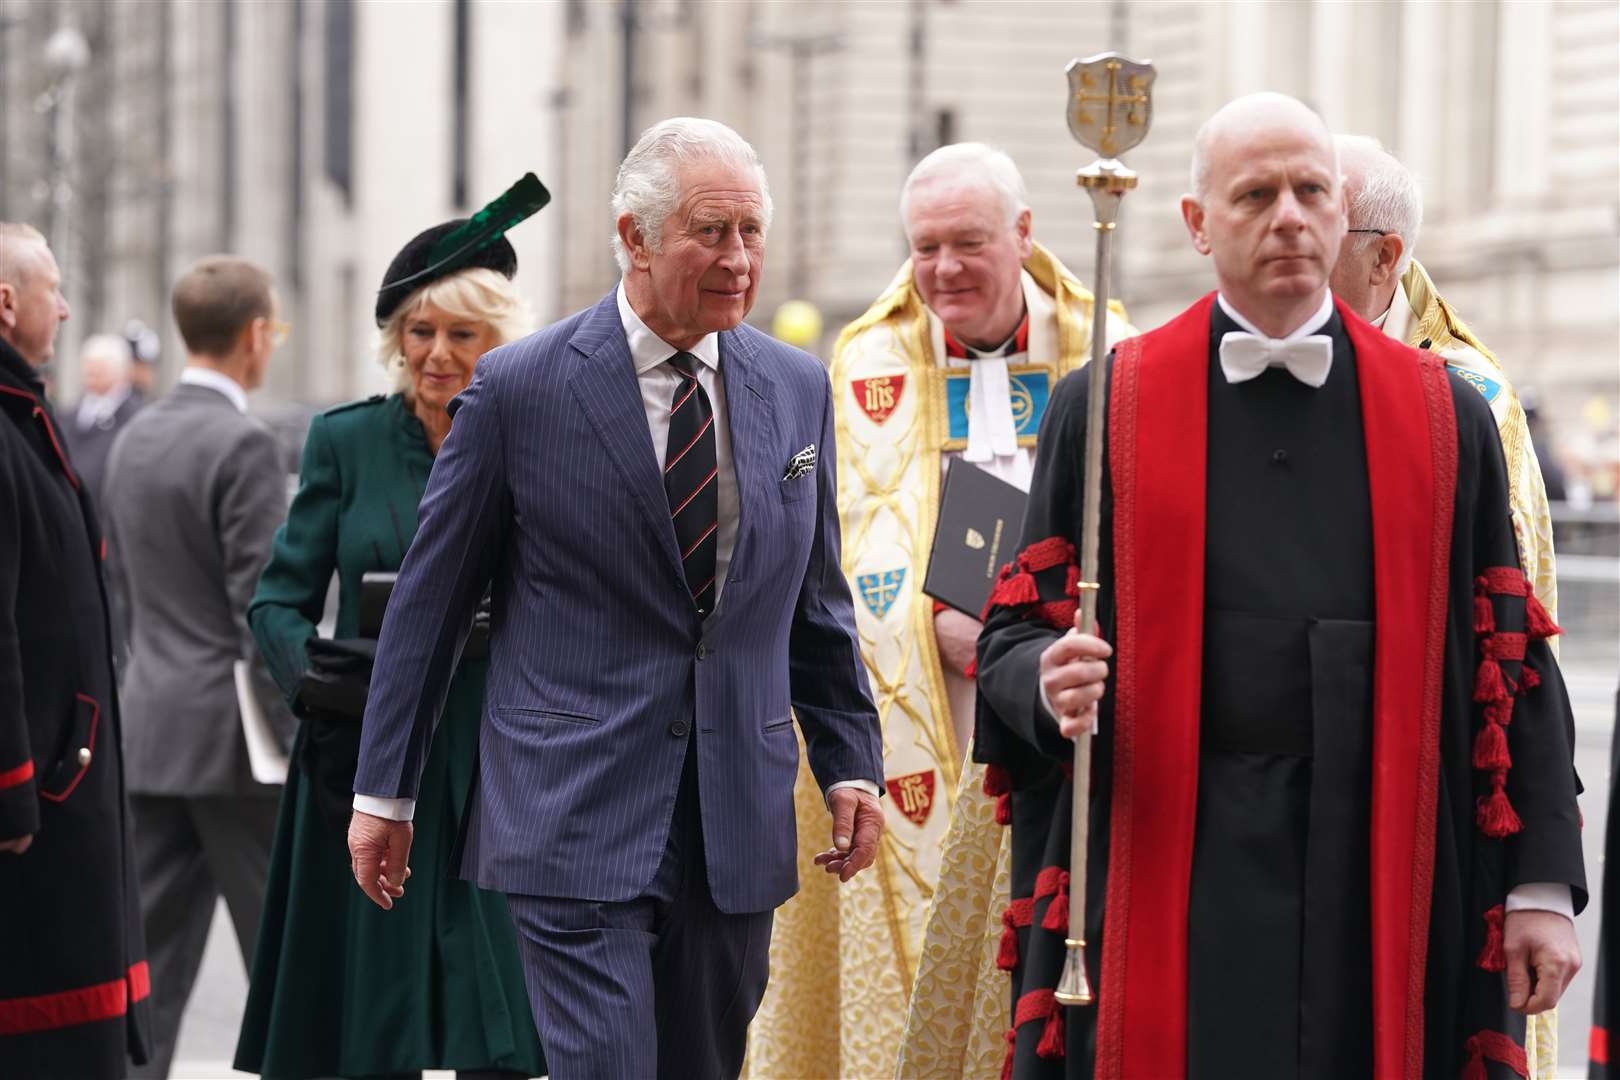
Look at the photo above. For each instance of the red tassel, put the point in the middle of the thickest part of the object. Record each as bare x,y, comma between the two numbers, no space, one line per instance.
1018,589
1491,748
1529,678
1493,1046
1484,615
1474,1067
1007,1065
1494,814
1007,954
1004,809
1537,623
1491,956
1051,1044
996,781
1488,683
1057,912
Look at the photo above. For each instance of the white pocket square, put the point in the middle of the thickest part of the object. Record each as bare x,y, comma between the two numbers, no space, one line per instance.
802,462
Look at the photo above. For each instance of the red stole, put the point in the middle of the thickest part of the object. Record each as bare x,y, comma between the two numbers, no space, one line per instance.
1157,445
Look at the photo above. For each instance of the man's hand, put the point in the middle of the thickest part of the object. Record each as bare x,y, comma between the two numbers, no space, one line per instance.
957,636
378,851
857,828
1073,670
17,846
1542,957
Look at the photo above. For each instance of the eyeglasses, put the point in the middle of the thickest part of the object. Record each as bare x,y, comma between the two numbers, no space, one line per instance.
279,332
1376,232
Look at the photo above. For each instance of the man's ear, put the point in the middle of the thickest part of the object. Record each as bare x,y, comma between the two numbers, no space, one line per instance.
1022,228
635,244
8,305
1390,249
1192,215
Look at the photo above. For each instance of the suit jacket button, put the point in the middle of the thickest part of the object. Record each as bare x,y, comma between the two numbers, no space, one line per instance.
678,728
703,650
84,755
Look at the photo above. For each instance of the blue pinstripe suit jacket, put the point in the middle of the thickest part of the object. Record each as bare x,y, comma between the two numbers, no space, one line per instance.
548,489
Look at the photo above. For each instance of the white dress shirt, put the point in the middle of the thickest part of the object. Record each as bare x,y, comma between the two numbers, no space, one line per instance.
214,380
658,380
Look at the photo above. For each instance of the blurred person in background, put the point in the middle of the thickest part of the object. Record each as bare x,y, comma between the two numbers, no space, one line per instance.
194,496
1379,278
103,409
144,349
73,976
339,986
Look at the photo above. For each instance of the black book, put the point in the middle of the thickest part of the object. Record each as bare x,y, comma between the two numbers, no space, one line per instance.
980,518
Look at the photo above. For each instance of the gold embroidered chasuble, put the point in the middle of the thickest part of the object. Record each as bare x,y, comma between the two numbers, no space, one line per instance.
958,1015
843,958
1421,318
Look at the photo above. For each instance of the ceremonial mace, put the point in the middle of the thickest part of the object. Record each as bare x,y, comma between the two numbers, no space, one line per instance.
1109,112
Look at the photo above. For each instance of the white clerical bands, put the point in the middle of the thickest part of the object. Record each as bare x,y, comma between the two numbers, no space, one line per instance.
1244,356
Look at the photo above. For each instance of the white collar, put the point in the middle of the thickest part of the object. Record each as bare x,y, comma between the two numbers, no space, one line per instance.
1304,329
216,381
648,350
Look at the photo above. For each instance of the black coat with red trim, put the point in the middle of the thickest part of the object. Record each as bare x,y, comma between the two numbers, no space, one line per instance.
73,975
1497,826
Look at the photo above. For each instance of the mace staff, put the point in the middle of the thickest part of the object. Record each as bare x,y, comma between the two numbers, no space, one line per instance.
1109,111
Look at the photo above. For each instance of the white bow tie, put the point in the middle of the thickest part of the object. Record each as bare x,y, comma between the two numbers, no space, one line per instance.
1245,355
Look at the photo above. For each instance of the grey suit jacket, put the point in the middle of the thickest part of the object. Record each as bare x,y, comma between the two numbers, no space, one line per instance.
195,492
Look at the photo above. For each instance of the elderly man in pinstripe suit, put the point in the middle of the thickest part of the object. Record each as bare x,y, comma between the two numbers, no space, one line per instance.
648,489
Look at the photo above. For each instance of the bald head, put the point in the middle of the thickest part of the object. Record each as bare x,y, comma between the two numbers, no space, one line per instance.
1240,120
1267,207
31,302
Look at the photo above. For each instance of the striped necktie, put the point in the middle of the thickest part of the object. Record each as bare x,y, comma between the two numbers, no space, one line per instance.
690,481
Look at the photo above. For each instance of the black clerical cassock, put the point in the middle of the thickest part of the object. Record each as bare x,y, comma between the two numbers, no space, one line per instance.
1333,739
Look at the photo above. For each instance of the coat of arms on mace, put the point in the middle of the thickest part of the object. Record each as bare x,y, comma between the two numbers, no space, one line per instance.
1110,108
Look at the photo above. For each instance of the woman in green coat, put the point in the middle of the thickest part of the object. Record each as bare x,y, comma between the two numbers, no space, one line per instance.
339,986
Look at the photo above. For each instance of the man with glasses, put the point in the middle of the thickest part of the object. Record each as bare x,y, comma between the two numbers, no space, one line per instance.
195,492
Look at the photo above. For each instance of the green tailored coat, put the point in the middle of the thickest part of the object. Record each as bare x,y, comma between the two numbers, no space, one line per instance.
339,986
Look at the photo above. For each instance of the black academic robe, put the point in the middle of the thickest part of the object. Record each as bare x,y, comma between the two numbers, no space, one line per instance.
1278,974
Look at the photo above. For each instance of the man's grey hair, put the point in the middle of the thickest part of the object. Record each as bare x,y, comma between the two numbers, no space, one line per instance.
969,161
1199,169
1388,198
648,187
109,349
20,248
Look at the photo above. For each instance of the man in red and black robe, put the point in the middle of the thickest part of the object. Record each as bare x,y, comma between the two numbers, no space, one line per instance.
1333,826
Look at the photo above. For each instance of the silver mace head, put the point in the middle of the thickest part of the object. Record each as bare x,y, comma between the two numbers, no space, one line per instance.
1110,111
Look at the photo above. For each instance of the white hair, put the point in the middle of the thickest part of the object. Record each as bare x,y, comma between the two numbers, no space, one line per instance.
1198,171
969,161
648,186
21,247
1388,197
109,349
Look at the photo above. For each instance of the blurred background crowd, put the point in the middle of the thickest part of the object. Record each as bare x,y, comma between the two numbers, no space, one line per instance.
317,136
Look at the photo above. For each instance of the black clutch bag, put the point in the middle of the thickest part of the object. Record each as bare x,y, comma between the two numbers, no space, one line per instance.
332,700
980,518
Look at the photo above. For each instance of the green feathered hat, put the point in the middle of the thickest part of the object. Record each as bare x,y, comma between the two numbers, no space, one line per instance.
478,241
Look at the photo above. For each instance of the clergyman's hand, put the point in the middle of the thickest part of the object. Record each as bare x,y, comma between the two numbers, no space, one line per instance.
16,846
1542,957
378,852
857,828
957,636
1073,671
